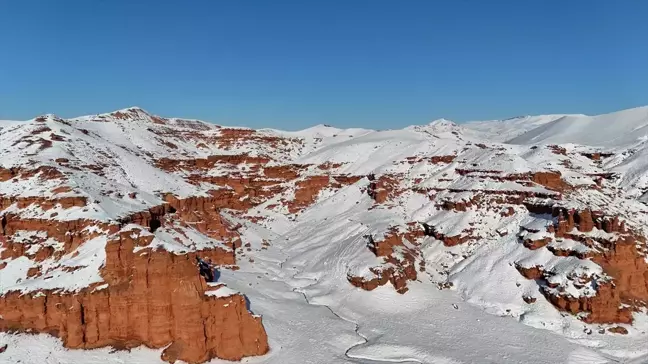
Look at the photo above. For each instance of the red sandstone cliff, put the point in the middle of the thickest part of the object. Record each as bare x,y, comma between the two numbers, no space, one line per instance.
153,298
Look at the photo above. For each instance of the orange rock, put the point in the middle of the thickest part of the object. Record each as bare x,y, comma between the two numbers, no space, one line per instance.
535,272
383,187
618,330
397,269
620,259
154,298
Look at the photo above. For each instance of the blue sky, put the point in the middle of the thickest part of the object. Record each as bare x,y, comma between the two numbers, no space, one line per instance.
292,64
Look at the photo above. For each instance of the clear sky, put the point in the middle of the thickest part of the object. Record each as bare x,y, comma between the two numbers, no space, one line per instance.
292,64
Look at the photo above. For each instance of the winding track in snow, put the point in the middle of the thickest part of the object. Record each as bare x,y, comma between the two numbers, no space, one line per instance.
365,360
356,358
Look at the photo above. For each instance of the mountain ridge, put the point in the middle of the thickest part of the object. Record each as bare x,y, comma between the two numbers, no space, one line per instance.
476,124
365,234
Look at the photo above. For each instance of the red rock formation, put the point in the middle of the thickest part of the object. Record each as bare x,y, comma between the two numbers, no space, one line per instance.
43,172
344,180
620,257
72,233
398,267
618,330
287,172
306,192
597,156
555,149
549,179
203,214
383,187
308,189
209,162
453,240
43,202
536,244
436,159
397,277
535,272
628,268
394,237
154,298
397,270
329,165
601,308
230,137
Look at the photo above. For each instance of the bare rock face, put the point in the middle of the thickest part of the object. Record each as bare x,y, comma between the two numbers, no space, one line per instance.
150,296
399,250
383,187
535,272
624,286
550,180
43,172
306,192
71,233
153,298
44,203
618,330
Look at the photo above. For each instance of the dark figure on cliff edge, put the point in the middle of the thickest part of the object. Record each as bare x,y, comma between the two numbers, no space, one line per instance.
206,270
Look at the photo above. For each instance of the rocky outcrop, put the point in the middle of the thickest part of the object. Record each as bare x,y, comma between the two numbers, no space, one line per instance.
400,253
397,269
43,203
534,272
383,187
618,330
596,156
490,200
395,236
529,299
308,189
243,190
551,180
153,298
233,137
71,233
203,214
436,159
398,277
198,164
618,251
43,172
449,240
306,192
556,149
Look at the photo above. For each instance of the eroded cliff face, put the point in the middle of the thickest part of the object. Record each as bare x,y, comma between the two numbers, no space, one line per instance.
605,285
167,190
401,259
618,291
150,297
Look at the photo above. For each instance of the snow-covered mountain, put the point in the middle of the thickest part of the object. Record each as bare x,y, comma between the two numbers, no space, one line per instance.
519,241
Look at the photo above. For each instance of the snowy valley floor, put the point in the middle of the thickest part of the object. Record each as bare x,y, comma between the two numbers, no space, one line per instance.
314,316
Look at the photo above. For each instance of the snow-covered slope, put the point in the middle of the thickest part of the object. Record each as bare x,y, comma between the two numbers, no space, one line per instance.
9,123
515,241
616,129
503,130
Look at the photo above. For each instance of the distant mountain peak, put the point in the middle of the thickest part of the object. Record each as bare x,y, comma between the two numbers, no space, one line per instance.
131,111
516,118
442,122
